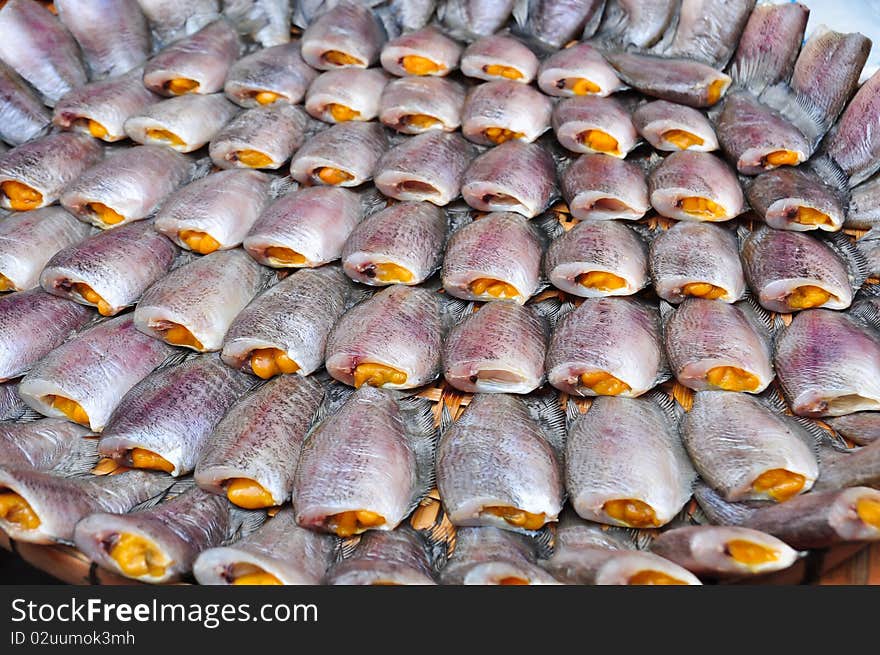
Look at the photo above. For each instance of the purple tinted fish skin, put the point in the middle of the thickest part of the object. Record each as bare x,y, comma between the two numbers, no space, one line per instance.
428,42
276,131
855,142
683,81
348,28
397,557
864,205
778,195
639,23
580,61
654,119
354,148
573,117
555,23
499,50
471,19
45,444
193,118
279,70
435,97
22,114
708,30
862,428
508,105
689,174
853,468
357,89
599,186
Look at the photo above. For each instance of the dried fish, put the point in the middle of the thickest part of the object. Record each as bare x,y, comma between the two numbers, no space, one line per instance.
424,52
673,127
491,556
398,557
276,74
412,105
348,35
496,112
344,155
599,186
594,124
695,186
262,137
346,94
499,57
576,71
184,123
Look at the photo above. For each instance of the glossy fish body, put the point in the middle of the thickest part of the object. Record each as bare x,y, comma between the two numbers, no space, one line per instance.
471,19
672,127
398,557
346,94
708,30
46,444
491,556
424,52
262,137
639,23
348,35
683,81
412,105
269,75
344,155
599,186
795,199
22,114
864,205
499,57
855,142
695,186
495,112
184,123
594,124
862,428
578,70
555,23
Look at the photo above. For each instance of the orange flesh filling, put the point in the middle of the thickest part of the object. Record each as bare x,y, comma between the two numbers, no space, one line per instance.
267,97
807,296
868,510
388,272
713,93
333,176
341,113
499,70
779,484
601,280
284,256
416,65
21,197
701,207
377,375
157,134
141,458
138,556
579,86
703,290
178,335
200,242
810,216
93,127
750,553
70,408
650,577
499,135
6,284
421,121
248,574
681,139
631,512
599,141
253,158
269,362
15,509
512,581
338,58
517,517
104,214
495,288
88,294
782,158
248,494
347,524
731,378
181,85
603,383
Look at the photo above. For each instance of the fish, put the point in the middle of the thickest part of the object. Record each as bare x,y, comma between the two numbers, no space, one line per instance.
869,247
625,464
34,174
278,553
594,124
498,349
183,123
85,378
695,186
471,19
796,199
194,305
366,465
269,75
491,556
28,240
399,16
429,166
215,212
346,94
828,364
344,155
306,227
495,257
426,51
396,557
854,144
127,186
171,20
412,105
722,551
348,35
252,453
499,57
197,63
862,428
110,270
576,71
498,465
840,469
268,22
113,34
607,346
863,212
708,30
11,405
495,112
390,340
158,544
401,244
671,127
601,187
553,23
32,325
100,108
598,258
47,444
22,114
38,48
515,176
285,329
638,23
262,137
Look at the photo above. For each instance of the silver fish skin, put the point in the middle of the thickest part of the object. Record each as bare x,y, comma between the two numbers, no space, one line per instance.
697,177
624,450
495,112
43,168
113,34
176,530
490,556
498,349
402,244
828,364
171,20
48,444
197,63
118,265
222,206
696,254
101,108
262,137
11,404
619,337
202,297
398,557
294,316
499,57
864,205
783,266
412,105
598,258
711,345
688,128
594,124
869,246
127,186
795,199
346,94
184,123
344,155
260,439
95,369
851,468
862,428
602,187
399,328
639,23
553,23
276,74
429,166
22,114
515,176
280,548
32,324
855,141
307,227
735,441
267,22
172,413
61,502
711,550
497,256
498,457
40,49
28,240
578,70
348,35
709,30
471,19
399,16
404,55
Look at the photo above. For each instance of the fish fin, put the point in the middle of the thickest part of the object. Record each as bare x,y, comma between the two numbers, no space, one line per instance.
811,433
565,309
645,232
572,413
544,407
766,323
174,488
345,548
243,522
798,110
372,201
336,395
453,311
446,420
546,226
831,174
871,290
718,510
28,415
742,233
177,357
641,539
856,263
548,311
418,420
458,214
673,411
520,12
698,516
868,313
80,459
773,400
201,168
280,186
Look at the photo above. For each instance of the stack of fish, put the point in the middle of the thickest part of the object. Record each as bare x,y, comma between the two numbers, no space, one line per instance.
612,230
